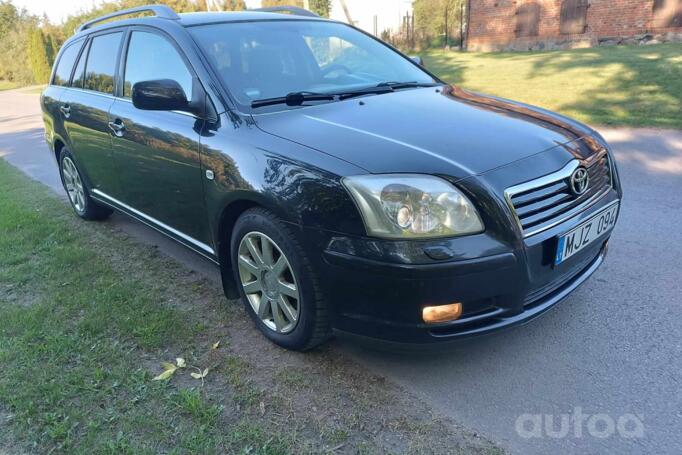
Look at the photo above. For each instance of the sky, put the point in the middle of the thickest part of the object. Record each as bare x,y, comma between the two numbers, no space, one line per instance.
388,12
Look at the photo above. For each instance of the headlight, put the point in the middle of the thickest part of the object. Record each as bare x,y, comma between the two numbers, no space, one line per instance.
412,206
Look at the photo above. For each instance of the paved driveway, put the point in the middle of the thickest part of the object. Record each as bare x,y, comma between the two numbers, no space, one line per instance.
605,366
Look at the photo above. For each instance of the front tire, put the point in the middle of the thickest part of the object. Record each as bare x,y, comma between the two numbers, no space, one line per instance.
276,282
79,196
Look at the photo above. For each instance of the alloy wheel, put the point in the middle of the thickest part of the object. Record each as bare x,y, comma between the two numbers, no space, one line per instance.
269,282
73,184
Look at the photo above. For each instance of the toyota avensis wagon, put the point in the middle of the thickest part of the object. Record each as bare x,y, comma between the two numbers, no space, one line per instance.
338,184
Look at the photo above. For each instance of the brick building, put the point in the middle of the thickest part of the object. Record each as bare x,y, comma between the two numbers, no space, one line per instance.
550,24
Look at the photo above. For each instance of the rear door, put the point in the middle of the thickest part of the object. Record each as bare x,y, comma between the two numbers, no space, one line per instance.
158,152
85,107
52,114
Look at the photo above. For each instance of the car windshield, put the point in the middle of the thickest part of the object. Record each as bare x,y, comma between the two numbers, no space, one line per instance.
270,59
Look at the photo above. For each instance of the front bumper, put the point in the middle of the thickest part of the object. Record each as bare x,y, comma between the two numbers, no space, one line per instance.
377,289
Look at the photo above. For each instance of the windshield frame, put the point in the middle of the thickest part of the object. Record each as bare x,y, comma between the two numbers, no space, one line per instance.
246,108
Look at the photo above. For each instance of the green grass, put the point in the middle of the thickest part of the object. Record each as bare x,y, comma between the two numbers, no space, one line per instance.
74,330
36,89
8,85
619,85
86,318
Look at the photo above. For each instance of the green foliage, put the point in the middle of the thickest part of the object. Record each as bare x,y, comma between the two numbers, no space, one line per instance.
430,18
321,7
232,5
40,54
269,3
8,18
15,25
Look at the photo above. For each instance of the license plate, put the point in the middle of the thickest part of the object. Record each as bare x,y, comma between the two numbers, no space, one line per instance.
580,237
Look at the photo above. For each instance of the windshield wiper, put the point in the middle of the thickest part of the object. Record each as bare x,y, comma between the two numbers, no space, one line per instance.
364,91
294,99
298,98
411,84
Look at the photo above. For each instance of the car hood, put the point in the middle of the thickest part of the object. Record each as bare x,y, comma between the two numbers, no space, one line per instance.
446,131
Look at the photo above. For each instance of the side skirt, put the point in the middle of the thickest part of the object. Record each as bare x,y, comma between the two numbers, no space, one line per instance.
189,242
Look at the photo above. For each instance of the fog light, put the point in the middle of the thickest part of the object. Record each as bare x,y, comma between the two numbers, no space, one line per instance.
442,313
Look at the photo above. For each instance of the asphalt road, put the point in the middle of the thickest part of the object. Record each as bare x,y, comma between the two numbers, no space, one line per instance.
601,373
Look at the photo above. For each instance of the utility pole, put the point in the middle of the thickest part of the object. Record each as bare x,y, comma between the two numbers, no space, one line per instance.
447,27
213,5
461,27
346,12
468,28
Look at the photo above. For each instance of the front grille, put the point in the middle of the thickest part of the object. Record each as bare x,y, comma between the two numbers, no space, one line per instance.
545,202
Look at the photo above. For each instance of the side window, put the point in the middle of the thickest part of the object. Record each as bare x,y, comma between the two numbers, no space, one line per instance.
63,72
151,56
79,73
101,65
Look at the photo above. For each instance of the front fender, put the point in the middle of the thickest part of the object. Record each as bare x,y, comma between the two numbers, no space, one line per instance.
298,184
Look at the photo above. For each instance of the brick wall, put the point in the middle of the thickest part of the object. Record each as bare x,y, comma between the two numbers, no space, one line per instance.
493,25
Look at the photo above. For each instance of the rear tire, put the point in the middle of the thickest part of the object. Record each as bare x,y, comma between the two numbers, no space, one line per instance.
78,194
276,282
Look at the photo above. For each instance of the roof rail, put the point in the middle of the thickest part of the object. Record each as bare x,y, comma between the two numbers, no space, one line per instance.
283,9
160,11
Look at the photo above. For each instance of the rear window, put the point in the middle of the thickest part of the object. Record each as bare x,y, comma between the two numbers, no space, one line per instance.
101,65
63,72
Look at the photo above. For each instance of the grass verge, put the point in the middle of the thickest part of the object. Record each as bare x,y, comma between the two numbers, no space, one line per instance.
88,315
8,85
619,85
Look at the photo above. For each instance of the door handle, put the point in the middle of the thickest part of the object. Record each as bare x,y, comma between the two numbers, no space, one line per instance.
117,127
66,110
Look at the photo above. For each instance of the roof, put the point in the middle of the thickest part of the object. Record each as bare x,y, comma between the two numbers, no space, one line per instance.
185,19
190,19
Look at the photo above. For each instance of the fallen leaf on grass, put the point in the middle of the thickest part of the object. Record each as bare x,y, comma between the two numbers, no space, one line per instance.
200,375
216,345
169,369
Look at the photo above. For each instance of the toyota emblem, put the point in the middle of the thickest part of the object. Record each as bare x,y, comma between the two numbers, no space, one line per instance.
580,180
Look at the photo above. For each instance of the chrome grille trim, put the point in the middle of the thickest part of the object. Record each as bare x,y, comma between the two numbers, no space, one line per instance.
537,217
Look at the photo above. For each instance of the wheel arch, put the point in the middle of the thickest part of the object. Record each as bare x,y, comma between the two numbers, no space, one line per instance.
57,147
226,220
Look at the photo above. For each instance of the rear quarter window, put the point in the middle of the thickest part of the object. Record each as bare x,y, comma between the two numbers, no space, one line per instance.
62,73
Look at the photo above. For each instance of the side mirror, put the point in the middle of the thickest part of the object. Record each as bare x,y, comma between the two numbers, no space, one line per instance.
417,59
160,95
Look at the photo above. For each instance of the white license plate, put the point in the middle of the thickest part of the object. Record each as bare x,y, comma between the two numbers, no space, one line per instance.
580,237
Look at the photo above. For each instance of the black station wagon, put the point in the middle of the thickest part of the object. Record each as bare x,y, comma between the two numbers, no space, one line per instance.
339,185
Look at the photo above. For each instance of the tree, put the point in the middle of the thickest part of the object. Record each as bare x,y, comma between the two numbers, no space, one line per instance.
437,21
39,56
321,7
270,3
15,25
8,18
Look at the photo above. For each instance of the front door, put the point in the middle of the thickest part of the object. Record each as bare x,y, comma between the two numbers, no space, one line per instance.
157,153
